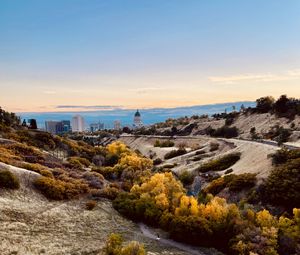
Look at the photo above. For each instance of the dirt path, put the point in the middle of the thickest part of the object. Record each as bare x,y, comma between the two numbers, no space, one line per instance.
148,233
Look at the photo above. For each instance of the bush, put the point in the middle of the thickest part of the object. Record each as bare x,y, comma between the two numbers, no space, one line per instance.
283,155
186,177
28,153
37,168
200,152
220,164
94,179
242,181
228,171
225,131
216,186
162,144
233,182
114,246
78,163
157,161
90,205
214,146
175,153
283,184
108,192
8,180
58,189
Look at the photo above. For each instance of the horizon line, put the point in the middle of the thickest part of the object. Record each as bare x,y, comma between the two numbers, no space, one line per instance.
127,108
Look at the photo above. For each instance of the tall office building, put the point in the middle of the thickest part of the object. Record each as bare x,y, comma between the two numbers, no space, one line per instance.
94,127
77,123
117,125
57,127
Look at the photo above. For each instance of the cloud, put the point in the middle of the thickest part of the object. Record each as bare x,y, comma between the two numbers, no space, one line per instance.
89,107
232,79
146,90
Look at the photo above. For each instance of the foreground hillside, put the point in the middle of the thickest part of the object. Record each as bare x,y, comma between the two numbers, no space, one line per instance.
31,224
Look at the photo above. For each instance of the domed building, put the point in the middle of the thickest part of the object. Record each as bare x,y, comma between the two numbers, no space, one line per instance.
137,121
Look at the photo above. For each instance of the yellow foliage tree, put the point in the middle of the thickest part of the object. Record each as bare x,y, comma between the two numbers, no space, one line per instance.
117,148
162,188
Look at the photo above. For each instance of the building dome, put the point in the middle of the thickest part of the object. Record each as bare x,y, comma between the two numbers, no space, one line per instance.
137,121
137,114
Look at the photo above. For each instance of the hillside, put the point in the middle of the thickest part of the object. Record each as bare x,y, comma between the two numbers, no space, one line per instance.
174,194
272,120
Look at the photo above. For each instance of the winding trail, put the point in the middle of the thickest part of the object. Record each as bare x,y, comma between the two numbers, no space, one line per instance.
146,232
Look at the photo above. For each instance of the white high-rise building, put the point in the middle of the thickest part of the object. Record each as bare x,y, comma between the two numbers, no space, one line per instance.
77,123
117,125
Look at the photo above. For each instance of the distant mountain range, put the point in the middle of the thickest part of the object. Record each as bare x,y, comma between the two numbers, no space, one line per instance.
149,116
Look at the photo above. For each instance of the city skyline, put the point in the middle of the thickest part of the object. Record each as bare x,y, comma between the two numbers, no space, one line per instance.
146,54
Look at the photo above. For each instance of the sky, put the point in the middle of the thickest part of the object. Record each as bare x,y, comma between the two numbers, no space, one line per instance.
63,55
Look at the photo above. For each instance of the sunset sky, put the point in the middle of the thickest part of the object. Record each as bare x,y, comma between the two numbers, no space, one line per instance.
63,54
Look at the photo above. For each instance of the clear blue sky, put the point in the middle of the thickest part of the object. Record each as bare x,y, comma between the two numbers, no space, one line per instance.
146,53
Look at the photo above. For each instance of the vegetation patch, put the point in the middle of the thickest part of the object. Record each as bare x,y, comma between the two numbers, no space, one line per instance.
90,205
186,177
283,184
162,144
233,182
59,189
214,146
175,153
225,131
220,164
114,246
8,180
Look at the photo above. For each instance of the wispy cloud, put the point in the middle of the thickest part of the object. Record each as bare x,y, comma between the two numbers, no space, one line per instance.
267,77
146,90
89,107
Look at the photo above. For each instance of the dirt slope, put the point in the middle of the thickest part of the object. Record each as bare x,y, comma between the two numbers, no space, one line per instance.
31,225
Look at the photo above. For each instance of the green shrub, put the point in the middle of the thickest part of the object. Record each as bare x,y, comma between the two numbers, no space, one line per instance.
283,184
220,164
283,155
175,153
233,182
74,163
225,131
157,161
186,177
200,152
8,180
108,172
242,181
114,246
162,144
228,171
216,186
